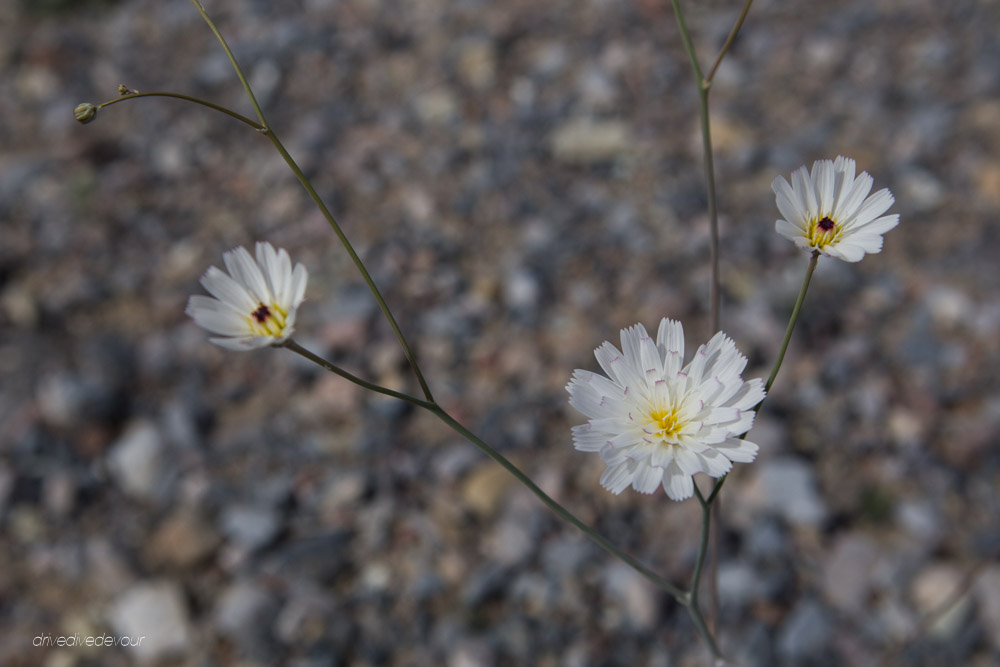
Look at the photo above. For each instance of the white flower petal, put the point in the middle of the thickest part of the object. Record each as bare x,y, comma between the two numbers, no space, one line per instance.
661,456
586,439
855,194
216,316
677,485
745,397
647,478
715,464
242,344
227,290
825,181
687,460
846,251
618,478
244,270
738,451
670,336
870,243
788,230
631,339
276,272
788,202
805,188
871,208
650,360
845,169
612,362
589,395
879,225
299,278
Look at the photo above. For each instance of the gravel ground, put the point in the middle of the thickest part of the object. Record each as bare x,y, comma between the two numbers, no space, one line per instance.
523,180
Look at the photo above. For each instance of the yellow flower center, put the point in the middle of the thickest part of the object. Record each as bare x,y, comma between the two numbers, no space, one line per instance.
823,232
667,423
267,320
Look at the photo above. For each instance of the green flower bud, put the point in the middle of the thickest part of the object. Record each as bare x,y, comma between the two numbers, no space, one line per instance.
84,113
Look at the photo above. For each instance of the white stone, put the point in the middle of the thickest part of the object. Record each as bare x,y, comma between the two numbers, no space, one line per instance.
154,618
136,461
987,592
584,141
787,487
847,572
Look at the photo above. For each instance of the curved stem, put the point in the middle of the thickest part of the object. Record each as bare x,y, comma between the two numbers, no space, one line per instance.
695,609
685,598
706,142
451,422
706,520
718,487
187,98
793,318
729,42
265,128
357,262
704,84
813,260
333,368
561,511
232,59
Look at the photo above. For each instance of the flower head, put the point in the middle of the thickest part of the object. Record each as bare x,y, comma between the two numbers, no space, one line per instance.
654,422
84,113
254,306
829,210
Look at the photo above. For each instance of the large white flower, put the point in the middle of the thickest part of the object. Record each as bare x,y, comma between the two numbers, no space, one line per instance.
829,210
255,305
654,422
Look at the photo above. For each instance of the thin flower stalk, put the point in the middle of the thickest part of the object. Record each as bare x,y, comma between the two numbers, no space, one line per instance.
704,84
681,596
269,132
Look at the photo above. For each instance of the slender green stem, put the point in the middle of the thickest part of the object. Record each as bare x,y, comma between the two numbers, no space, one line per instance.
687,599
706,141
424,387
695,608
333,368
706,520
561,511
718,487
729,42
813,260
232,59
704,84
439,412
187,98
792,319
688,44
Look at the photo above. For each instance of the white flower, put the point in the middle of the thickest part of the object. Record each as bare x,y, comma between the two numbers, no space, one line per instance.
254,306
829,210
654,422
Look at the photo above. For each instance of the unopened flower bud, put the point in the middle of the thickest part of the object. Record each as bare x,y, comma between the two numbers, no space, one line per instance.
84,113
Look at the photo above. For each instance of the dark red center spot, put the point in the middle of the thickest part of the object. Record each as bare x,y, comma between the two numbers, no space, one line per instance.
826,224
262,313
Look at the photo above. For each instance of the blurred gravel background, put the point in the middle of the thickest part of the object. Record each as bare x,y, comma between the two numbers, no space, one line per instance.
523,180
